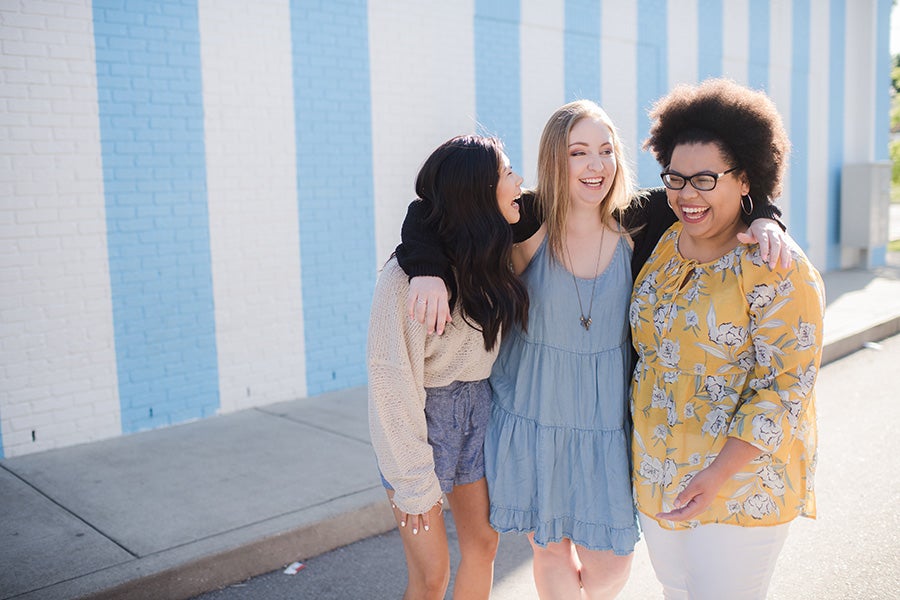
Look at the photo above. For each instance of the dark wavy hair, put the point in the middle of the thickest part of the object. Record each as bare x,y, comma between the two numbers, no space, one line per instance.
743,123
459,181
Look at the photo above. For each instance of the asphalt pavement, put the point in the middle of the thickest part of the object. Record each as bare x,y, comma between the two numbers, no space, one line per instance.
176,512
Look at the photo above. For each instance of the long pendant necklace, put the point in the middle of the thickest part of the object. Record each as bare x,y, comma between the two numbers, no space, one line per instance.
586,319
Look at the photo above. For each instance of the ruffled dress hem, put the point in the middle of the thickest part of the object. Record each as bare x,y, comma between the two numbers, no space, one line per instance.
620,540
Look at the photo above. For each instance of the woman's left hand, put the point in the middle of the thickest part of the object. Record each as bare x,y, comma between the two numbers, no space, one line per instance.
774,244
695,498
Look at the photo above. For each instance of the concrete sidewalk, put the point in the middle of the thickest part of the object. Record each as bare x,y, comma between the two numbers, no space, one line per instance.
174,512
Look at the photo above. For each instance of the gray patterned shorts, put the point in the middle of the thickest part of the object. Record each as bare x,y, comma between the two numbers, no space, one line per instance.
457,417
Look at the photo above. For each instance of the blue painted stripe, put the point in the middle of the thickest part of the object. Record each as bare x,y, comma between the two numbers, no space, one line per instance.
837,36
882,80
652,77
498,85
710,45
151,130
582,50
800,39
758,28
335,195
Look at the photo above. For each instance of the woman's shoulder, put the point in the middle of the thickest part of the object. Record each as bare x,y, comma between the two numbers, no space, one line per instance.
666,248
392,279
800,277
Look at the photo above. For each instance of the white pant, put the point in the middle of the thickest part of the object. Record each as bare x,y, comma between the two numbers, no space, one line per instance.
712,562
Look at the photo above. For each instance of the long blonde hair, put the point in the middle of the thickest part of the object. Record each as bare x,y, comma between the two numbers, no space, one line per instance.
553,171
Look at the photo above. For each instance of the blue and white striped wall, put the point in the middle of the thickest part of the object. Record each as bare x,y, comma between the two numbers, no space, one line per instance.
197,194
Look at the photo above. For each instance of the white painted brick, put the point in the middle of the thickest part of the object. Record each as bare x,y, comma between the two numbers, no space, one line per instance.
33,421
60,324
8,62
19,48
53,405
442,39
16,91
248,108
39,7
14,20
11,34
40,36
12,76
35,216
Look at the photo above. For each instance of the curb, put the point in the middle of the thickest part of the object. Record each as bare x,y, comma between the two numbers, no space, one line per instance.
848,344
207,565
255,558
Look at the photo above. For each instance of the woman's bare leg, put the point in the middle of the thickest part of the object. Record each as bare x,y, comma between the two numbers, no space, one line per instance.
477,541
556,570
427,555
603,574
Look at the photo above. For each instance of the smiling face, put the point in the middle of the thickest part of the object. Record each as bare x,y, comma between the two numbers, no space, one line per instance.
509,189
592,162
711,219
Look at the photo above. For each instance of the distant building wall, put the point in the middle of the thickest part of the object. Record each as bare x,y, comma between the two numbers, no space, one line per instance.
197,194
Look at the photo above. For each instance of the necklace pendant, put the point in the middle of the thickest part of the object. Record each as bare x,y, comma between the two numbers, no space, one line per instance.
586,323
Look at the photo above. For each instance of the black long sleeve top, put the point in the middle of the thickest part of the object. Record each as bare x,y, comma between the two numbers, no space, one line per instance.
648,217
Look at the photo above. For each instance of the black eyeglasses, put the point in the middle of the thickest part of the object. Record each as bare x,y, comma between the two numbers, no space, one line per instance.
703,182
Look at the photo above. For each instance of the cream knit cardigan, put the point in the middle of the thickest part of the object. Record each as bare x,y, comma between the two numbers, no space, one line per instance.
402,361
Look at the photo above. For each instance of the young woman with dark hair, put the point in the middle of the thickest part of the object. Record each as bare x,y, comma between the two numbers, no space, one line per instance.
429,397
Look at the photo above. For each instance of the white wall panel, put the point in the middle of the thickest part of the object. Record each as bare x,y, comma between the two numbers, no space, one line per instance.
859,76
57,352
736,39
252,193
543,75
422,62
682,38
619,72
780,44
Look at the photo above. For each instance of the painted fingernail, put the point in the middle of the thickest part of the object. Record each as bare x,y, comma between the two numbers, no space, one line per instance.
415,531
426,528
402,523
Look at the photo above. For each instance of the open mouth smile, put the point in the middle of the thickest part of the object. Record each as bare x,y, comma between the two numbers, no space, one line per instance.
694,213
593,181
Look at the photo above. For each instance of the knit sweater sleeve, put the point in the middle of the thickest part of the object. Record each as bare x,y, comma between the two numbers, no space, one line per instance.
396,370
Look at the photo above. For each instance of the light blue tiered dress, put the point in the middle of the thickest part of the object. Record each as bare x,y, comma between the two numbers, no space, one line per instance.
557,445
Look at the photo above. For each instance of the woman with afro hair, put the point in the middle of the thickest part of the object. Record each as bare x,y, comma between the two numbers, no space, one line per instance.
724,438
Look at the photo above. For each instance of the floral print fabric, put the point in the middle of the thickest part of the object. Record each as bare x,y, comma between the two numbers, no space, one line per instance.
726,348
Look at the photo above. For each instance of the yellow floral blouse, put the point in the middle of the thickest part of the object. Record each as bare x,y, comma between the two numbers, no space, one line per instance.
725,348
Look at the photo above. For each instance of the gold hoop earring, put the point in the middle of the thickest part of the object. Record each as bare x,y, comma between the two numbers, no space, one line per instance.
744,207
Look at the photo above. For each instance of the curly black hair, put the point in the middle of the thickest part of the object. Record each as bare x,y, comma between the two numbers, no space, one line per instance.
743,123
